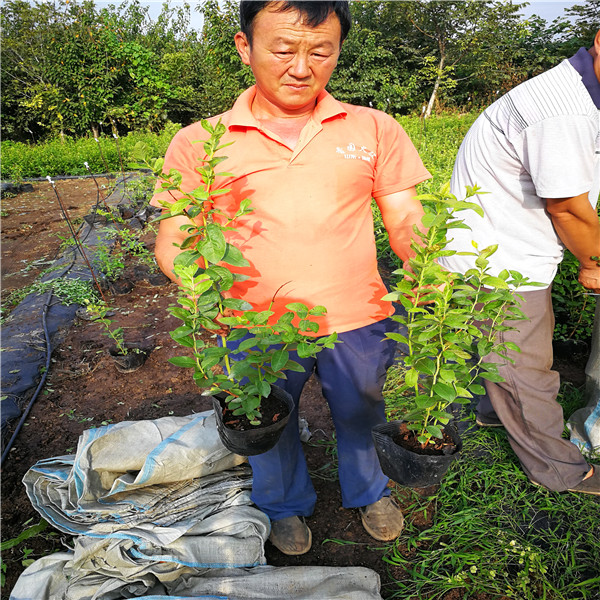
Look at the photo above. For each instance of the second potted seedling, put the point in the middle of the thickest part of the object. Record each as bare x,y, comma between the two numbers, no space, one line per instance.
450,323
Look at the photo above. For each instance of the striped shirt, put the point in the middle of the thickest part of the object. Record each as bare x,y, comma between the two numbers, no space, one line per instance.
540,140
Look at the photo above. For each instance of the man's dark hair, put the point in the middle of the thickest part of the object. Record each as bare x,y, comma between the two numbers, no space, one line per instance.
314,13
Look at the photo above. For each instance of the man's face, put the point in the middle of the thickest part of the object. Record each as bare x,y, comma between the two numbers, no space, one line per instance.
291,61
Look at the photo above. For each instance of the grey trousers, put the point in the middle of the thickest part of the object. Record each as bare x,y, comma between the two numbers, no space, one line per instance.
526,401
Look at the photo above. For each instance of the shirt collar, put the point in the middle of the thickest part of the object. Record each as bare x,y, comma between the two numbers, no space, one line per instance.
583,63
241,112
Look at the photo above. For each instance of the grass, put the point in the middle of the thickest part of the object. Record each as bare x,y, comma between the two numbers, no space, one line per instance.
493,532
437,140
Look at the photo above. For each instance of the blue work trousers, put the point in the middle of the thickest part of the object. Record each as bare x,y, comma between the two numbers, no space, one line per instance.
352,375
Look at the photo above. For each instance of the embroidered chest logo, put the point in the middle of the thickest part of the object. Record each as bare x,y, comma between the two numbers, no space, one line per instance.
356,152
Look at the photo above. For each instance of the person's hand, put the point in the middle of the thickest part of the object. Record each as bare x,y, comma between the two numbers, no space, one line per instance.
589,277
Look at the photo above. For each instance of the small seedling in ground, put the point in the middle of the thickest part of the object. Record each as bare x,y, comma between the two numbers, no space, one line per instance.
99,313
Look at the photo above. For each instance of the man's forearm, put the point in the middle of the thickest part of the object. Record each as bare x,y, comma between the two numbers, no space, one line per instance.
577,225
582,238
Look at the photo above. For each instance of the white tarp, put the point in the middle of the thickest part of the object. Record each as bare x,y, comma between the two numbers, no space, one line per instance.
259,583
162,509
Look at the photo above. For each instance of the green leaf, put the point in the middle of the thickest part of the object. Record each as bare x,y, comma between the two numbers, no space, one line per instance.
24,535
234,257
264,388
237,304
435,431
183,361
494,282
411,378
305,350
425,365
221,275
279,359
300,309
213,247
444,391
292,365
397,337
492,377
477,389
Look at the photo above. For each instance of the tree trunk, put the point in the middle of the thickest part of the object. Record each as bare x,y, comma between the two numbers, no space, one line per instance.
95,131
436,86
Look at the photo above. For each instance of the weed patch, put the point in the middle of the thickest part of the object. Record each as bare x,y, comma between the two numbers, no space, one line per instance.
494,533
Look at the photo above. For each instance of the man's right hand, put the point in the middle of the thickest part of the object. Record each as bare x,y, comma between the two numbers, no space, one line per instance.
589,277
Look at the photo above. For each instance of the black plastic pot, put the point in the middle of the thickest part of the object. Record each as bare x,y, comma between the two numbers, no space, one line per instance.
96,219
259,438
130,362
121,286
409,468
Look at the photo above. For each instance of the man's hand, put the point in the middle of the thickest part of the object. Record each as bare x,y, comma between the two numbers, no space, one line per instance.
589,277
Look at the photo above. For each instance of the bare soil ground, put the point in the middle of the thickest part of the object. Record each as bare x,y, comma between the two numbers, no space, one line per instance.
84,390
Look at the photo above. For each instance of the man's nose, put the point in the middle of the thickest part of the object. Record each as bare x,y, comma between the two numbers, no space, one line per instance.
300,67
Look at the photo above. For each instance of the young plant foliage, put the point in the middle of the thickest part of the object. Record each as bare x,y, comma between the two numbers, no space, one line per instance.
450,321
206,272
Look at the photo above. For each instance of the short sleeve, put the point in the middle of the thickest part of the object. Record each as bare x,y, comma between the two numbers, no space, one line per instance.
399,165
559,155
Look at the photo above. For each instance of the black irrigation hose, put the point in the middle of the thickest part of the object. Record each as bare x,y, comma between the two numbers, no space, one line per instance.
75,238
42,380
47,305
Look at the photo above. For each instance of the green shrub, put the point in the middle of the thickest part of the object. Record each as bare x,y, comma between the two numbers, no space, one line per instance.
68,157
573,307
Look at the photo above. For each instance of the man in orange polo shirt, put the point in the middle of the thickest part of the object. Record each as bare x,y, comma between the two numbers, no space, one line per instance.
310,166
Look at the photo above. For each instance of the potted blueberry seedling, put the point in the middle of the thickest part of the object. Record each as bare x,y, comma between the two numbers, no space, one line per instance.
252,353
449,323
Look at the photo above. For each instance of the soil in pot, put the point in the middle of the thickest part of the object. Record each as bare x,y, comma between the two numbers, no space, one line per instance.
408,439
405,461
240,436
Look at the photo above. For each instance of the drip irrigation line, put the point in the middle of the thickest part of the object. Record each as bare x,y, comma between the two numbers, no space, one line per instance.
99,194
75,238
47,305
40,384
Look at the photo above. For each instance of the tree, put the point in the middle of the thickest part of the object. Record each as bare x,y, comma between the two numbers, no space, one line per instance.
448,34
68,68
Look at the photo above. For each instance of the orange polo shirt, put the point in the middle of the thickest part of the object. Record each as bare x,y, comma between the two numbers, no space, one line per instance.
311,230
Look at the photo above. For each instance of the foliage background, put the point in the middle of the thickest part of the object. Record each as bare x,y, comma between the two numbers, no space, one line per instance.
70,68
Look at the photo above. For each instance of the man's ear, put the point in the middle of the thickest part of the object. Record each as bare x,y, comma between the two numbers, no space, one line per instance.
243,47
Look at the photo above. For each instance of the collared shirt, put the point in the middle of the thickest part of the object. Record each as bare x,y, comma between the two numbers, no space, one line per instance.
583,63
310,236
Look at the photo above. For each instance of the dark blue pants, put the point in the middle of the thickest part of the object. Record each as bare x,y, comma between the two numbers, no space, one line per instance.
352,375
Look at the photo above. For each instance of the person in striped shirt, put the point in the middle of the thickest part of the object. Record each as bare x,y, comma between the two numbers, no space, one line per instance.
536,154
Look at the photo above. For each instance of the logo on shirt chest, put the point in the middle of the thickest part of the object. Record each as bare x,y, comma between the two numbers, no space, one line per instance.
354,151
